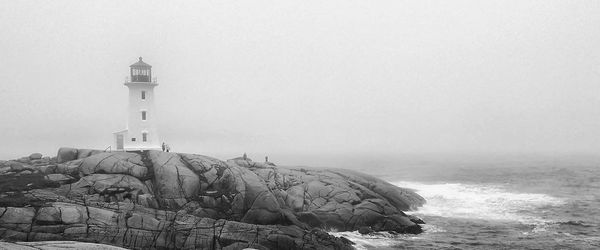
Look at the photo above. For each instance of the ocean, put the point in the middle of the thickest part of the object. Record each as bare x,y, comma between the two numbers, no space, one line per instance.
494,202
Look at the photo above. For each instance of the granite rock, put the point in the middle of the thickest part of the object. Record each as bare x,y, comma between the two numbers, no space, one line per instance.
160,200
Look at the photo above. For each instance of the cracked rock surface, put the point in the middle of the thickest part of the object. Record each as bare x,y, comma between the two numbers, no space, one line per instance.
159,200
53,245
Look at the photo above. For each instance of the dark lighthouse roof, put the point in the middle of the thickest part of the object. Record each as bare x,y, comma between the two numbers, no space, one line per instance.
140,64
140,71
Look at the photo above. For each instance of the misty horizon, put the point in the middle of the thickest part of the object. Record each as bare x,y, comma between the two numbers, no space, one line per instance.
307,78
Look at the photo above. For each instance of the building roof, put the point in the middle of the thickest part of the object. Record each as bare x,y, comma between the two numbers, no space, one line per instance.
140,64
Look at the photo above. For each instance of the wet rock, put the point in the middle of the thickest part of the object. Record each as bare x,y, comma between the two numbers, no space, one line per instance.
365,230
416,219
310,219
401,198
281,241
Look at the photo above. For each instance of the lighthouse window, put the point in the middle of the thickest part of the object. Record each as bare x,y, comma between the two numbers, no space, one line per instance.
143,115
143,95
144,137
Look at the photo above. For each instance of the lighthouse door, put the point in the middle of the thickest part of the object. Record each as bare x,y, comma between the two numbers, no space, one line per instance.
120,142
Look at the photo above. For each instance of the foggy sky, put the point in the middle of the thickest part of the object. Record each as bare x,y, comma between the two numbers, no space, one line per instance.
305,77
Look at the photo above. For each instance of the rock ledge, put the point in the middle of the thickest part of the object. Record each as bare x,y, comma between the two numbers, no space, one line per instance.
158,200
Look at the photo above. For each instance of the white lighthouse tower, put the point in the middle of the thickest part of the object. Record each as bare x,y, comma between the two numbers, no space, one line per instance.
141,132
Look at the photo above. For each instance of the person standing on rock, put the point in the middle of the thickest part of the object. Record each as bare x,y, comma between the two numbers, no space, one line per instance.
163,146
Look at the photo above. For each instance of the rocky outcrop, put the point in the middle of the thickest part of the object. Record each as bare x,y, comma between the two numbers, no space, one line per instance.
70,154
35,156
66,154
52,245
114,163
174,182
159,200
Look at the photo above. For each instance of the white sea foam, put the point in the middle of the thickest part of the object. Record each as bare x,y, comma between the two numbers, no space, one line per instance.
384,240
464,201
455,200
368,241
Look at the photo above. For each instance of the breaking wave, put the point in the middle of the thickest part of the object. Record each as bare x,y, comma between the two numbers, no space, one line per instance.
379,240
470,201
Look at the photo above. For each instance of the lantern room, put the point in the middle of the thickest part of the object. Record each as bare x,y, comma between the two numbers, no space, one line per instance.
141,71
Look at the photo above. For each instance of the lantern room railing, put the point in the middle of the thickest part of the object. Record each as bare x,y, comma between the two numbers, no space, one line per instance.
137,79
140,78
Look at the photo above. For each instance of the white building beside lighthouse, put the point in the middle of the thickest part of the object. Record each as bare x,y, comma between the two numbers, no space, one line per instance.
141,132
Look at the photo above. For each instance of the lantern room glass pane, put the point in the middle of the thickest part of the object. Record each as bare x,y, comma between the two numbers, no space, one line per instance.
140,75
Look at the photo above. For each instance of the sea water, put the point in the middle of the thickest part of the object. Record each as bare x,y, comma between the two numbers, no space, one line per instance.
509,202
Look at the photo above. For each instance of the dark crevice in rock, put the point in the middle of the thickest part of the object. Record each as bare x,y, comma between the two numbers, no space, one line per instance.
147,163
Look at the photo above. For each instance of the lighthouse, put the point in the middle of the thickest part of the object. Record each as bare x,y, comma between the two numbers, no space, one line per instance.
141,132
